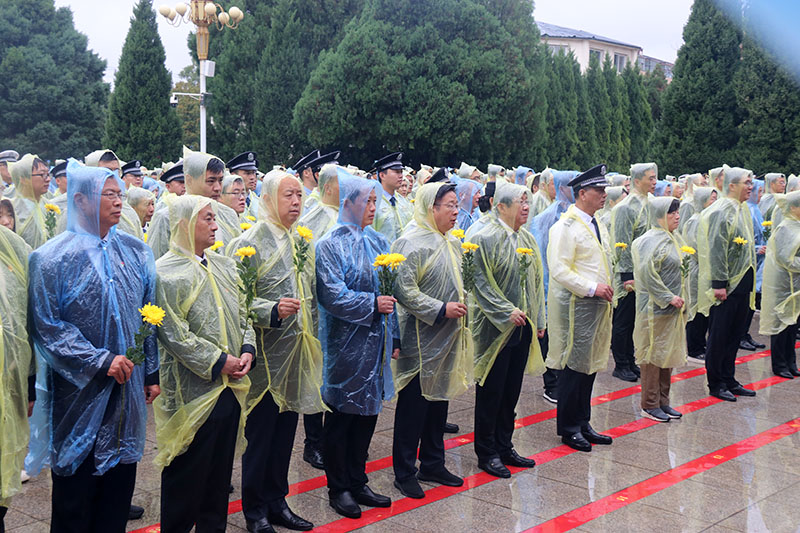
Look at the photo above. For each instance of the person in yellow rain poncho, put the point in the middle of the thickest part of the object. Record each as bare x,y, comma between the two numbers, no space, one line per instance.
774,184
203,174
726,280
287,376
16,364
31,181
697,325
320,218
579,307
143,203
545,195
507,311
780,290
693,181
234,195
435,362
614,195
630,219
792,184
394,212
200,415
659,333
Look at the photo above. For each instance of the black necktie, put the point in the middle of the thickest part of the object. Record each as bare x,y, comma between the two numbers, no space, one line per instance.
392,201
247,200
597,229
204,262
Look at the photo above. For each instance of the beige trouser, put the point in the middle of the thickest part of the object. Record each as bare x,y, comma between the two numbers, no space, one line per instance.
655,386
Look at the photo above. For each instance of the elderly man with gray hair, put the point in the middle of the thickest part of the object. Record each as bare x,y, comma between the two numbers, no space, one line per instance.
630,219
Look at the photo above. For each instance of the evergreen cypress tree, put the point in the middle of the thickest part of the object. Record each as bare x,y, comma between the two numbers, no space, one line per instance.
140,123
699,126
655,83
562,112
770,102
440,79
589,149
620,147
51,86
600,105
641,120
188,109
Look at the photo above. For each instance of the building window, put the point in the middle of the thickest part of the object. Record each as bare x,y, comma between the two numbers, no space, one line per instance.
556,48
596,53
619,62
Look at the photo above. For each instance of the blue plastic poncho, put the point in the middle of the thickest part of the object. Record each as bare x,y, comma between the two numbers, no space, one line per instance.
541,223
758,229
521,175
357,349
85,292
466,191
661,188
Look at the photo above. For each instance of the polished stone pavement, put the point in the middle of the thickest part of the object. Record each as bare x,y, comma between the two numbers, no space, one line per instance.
757,491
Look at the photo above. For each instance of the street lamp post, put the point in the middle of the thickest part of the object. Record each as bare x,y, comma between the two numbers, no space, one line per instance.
202,13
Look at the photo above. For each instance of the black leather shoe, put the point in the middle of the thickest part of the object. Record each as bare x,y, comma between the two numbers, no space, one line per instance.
313,457
442,477
450,428
230,488
754,342
345,505
365,496
495,467
785,374
576,441
261,525
515,459
724,395
410,488
135,512
284,517
741,391
744,344
636,370
594,437
794,372
625,374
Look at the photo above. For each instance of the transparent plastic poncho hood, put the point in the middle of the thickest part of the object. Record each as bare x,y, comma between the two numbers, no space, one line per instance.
688,231
630,219
466,190
28,211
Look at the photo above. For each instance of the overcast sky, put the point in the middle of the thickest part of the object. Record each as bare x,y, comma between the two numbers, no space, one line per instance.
655,25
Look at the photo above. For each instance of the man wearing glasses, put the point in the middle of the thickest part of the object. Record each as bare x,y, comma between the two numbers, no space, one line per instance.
31,180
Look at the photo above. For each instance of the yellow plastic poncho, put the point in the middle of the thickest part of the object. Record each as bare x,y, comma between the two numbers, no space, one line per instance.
292,353
391,220
194,171
659,331
780,289
319,216
541,200
579,328
29,212
440,353
498,288
205,315
630,219
16,362
614,195
689,235
720,257
139,199
767,203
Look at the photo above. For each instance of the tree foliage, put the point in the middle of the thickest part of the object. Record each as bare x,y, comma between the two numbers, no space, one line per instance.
619,148
51,86
563,143
188,109
140,123
639,111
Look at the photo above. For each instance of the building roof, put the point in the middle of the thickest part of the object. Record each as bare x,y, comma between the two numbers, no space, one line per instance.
560,32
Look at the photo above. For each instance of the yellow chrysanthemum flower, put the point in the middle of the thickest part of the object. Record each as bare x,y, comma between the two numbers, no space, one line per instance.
767,223
216,246
469,246
53,207
305,233
380,260
524,251
688,250
251,218
458,233
740,241
245,251
152,314
245,226
621,245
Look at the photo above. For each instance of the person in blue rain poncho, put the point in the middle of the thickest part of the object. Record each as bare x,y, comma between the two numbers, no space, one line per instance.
359,335
521,175
747,342
663,188
468,193
86,286
540,228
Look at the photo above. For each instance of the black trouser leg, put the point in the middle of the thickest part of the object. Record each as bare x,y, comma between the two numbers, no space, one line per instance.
504,428
194,486
313,427
783,351
574,408
550,376
696,335
3,511
748,321
410,418
84,502
345,446
622,331
725,323
265,464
